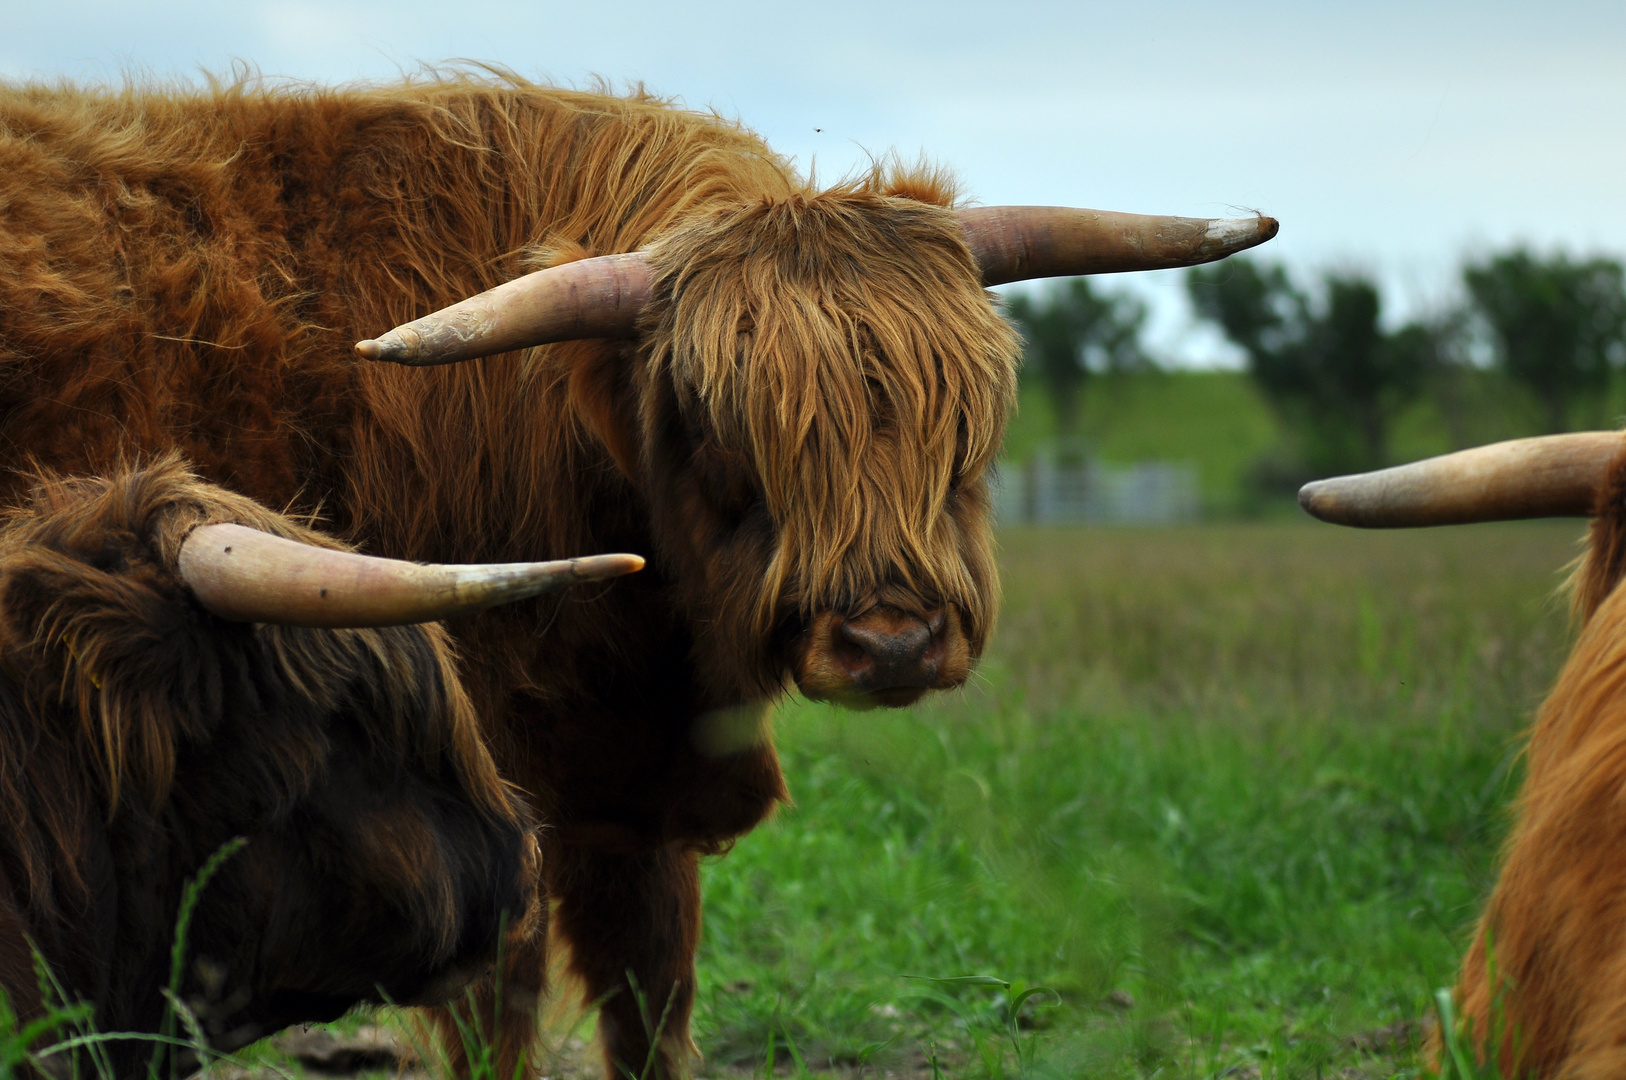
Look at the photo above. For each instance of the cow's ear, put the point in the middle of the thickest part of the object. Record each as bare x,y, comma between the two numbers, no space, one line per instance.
604,396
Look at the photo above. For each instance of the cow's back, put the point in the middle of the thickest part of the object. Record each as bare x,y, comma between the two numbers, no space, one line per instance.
189,269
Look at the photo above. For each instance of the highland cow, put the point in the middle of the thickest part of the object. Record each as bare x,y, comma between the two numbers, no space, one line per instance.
1543,987
140,732
788,397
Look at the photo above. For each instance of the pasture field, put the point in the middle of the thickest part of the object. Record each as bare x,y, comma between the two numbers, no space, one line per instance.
1232,791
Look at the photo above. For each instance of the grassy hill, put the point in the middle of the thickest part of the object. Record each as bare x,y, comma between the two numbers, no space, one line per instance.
1216,421
1220,423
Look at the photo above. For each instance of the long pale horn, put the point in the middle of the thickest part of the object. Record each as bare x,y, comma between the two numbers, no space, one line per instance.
591,298
1550,476
246,575
1015,243
601,297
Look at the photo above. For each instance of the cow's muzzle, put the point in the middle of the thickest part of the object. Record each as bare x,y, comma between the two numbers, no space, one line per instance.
883,656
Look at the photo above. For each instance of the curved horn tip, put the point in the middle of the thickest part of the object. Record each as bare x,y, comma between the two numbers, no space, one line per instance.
389,349
1336,502
1227,236
1313,501
607,566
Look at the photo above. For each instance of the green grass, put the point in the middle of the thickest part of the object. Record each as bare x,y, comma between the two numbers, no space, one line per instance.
1250,778
1222,801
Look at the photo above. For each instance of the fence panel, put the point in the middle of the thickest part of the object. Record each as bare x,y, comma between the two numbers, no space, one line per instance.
1046,492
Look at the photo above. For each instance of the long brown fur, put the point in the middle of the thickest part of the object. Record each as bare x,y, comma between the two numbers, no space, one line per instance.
138,734
1547,969
800,435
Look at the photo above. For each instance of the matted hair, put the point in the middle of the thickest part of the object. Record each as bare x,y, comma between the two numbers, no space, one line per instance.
1547,966
111,661
793,328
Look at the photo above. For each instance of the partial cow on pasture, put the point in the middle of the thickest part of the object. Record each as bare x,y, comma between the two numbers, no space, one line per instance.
788,397
1546,972
140,732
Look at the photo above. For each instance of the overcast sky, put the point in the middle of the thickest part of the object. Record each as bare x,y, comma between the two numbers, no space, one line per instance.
1389,137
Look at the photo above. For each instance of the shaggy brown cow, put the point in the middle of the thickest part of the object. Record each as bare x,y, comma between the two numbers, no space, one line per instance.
139,733
790,399
1553,926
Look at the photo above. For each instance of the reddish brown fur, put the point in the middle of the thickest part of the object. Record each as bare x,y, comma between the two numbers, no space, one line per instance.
1556,922
801,430
138,734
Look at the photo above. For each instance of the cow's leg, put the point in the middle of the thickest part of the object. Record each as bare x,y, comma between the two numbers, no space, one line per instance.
636,914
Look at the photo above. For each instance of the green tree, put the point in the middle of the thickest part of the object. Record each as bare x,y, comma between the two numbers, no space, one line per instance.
1330,370
1559,326
1071,330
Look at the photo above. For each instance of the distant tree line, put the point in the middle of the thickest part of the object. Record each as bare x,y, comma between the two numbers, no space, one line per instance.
1335,375
1072,331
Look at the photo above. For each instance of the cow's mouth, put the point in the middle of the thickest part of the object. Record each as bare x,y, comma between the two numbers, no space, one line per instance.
884,655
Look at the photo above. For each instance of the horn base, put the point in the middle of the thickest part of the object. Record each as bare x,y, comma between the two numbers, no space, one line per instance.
591,298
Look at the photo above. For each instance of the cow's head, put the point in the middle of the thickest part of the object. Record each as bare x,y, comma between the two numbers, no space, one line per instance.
169,682
822,385
810,395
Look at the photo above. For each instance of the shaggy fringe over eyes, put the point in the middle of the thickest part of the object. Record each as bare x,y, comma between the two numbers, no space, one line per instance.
93,615
794,328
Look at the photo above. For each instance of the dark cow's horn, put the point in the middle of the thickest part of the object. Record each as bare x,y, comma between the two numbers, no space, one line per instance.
1015,243
1550,476
591,298
246,575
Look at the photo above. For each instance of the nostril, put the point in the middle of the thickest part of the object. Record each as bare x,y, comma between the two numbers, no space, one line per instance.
883,650
849,649
889,645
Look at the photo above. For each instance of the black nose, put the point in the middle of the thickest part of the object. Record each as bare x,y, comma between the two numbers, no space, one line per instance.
886,648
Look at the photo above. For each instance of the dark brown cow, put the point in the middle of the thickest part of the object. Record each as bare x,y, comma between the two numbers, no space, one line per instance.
139,733
788,397
1546,973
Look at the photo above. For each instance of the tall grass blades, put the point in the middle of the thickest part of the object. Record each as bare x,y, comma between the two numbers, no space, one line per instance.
180,1043
1466,1054
177,1010
1233,791
19,1039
